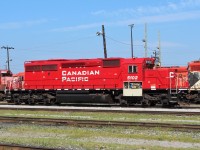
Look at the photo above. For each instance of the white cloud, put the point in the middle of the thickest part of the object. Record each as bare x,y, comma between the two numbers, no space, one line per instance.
78,27
142,10
167,44
172,17
17,25
99,12
189,3
172,6
158,18
164,18
170,12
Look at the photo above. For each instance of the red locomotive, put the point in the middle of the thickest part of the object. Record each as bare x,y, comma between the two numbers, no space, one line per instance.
194,81
5,78
87,80
112,80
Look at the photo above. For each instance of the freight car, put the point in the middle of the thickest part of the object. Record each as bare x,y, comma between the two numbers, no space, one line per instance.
124,81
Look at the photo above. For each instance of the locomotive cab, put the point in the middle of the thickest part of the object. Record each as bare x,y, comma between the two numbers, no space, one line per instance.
133,85
194,75
194,82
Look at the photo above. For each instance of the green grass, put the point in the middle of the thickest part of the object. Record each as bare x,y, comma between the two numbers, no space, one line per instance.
88,138
179,119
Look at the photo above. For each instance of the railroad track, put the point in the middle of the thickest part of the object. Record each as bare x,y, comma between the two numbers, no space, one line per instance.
75,122
103,109
21,147
186,106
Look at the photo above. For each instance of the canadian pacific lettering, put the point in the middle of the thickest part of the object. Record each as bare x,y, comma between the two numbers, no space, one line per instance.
76,76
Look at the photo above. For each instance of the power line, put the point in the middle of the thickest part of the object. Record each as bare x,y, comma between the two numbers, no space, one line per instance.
117,41
121,42
57,43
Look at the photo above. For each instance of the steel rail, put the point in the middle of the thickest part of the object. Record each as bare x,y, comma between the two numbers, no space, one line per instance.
22,147
107,110
75,122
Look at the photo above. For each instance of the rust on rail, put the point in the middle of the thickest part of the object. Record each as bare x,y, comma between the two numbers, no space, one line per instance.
76,122
21,147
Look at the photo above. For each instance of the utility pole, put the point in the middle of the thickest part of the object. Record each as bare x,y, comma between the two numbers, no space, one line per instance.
159,48
145,40
104,40
131,25
8,59
157,63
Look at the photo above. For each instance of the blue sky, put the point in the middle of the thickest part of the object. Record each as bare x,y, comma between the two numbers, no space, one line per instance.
46,29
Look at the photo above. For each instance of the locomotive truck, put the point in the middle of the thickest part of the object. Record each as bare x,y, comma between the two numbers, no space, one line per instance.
123,81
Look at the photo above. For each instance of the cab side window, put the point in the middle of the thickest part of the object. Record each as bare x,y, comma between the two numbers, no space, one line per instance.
132,69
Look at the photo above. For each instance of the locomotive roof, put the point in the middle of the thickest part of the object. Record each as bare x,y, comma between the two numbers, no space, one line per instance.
194,62
194,65
136,60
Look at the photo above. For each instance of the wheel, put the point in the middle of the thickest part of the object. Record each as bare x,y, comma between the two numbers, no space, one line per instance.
16,99
152,103
165,103
46,102
26,102
123,103
52,102
17,102
31,101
